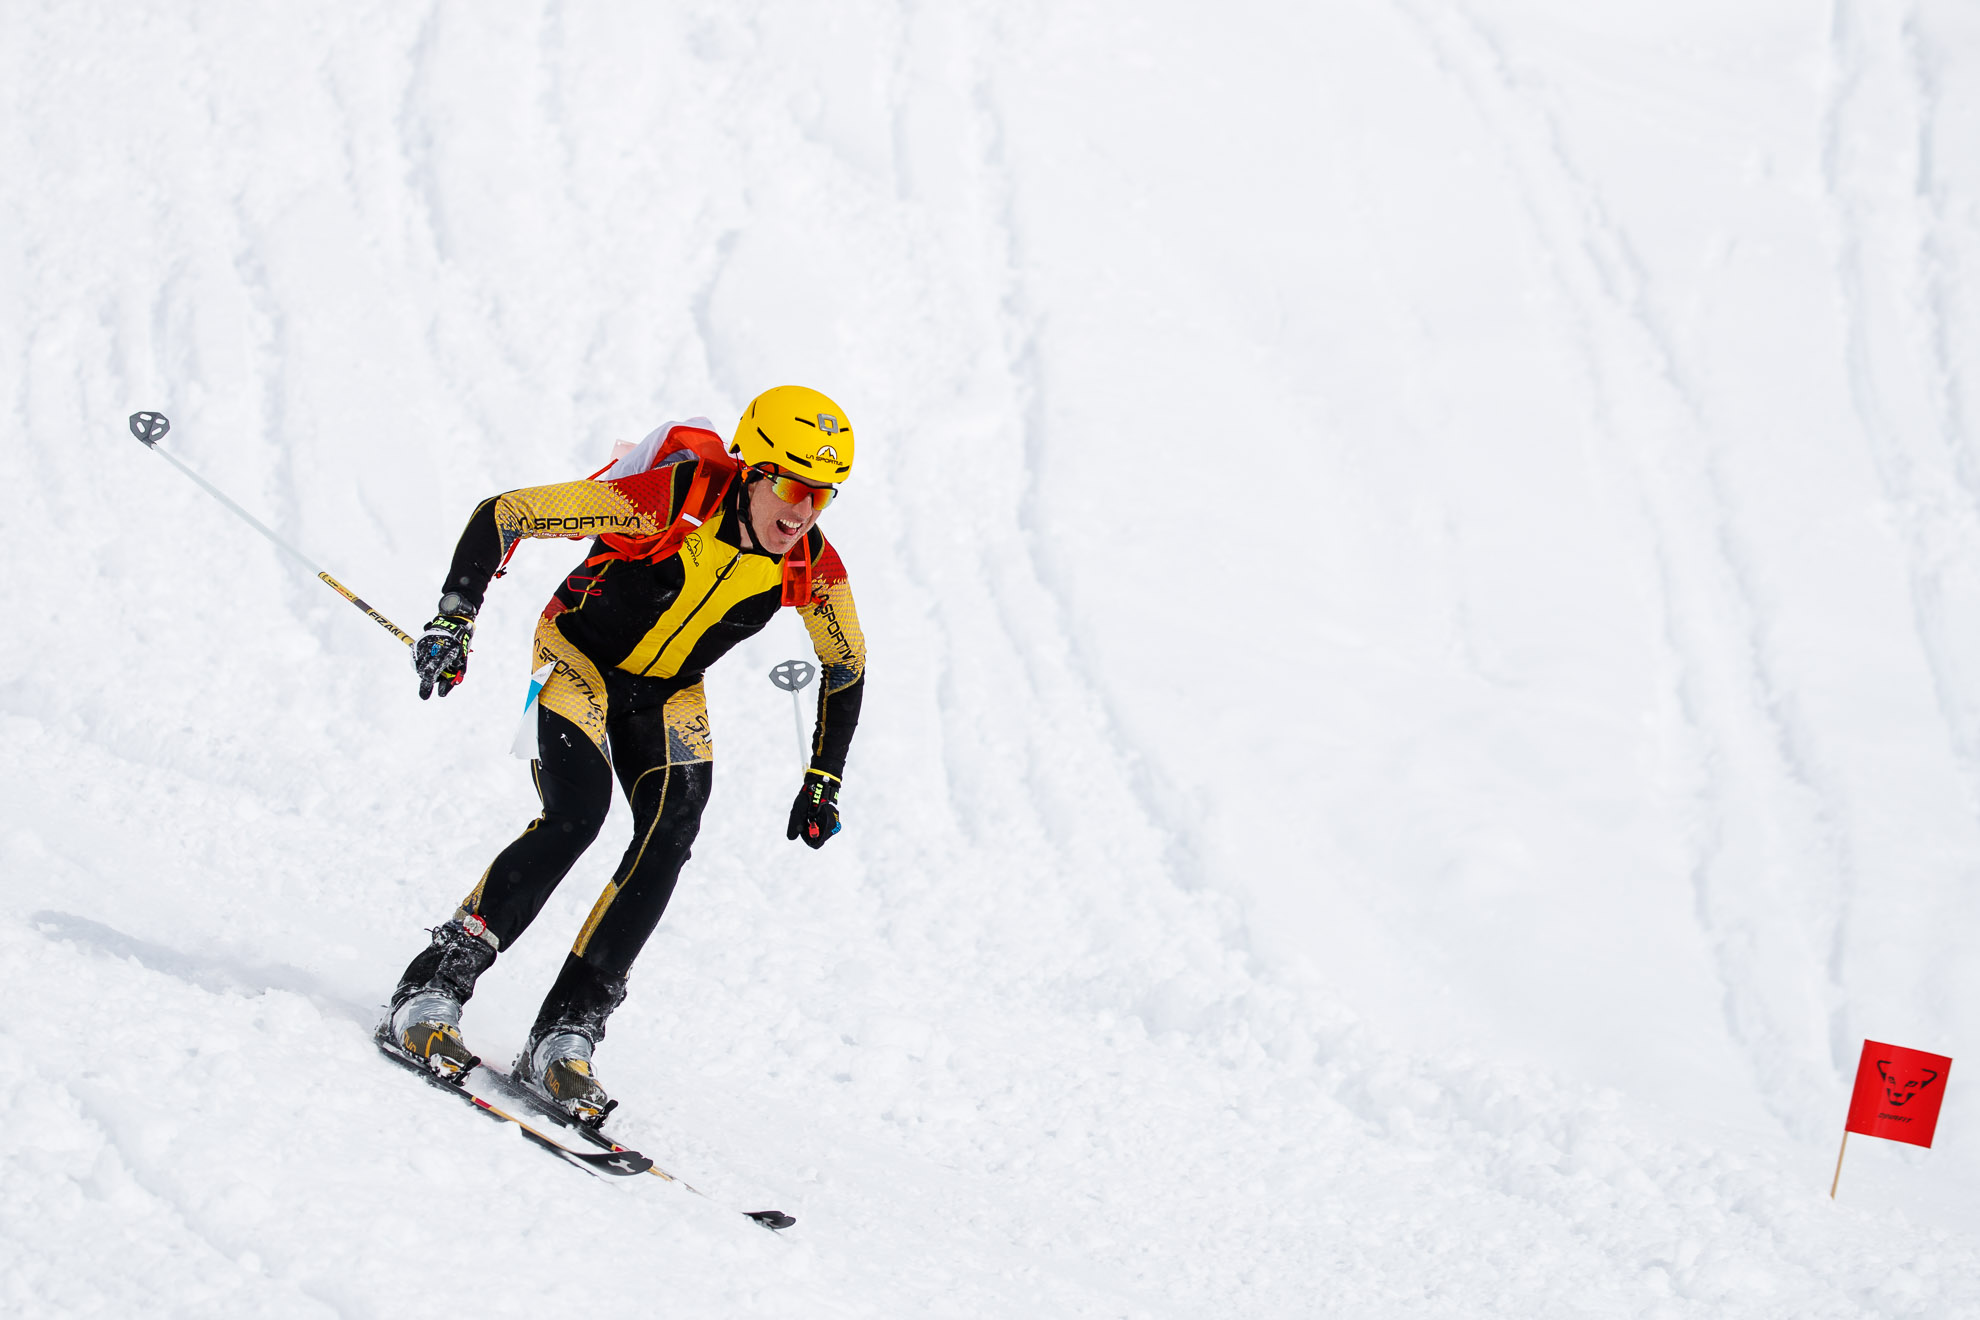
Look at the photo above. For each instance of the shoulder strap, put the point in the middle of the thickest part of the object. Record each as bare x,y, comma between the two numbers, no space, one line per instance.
714,473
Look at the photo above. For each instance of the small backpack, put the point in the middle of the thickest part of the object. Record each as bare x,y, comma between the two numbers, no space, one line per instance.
715,472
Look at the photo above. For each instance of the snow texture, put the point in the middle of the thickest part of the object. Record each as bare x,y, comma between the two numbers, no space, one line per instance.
1422,565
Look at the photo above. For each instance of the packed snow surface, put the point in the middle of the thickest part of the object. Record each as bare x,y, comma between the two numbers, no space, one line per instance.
1422,568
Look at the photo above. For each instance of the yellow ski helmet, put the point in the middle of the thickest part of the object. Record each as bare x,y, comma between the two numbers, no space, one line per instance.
798,429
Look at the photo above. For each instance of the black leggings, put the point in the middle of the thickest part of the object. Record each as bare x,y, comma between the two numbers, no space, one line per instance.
575,784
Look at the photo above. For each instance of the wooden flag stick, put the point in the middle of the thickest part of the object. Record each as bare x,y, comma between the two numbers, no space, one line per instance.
1839,1155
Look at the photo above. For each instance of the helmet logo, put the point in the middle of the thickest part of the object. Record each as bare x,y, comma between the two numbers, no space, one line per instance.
828,424
826,451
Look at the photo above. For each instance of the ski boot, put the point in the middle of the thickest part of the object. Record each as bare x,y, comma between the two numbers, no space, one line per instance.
557,1066
427,1027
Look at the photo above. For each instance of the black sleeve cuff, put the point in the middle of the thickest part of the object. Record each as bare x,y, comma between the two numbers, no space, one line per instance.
838,716
476,557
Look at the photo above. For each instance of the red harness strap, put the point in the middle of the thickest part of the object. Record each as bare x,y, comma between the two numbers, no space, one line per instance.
715,472
797,573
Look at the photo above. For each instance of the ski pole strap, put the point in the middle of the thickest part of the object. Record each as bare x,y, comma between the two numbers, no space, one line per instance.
826,774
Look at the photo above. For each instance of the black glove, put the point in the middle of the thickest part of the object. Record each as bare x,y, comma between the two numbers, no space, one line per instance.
440,655
815,814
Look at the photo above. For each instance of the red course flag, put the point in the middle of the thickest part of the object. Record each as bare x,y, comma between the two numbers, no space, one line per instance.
1897,1093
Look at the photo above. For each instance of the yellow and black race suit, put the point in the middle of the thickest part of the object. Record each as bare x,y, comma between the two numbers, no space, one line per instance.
630,639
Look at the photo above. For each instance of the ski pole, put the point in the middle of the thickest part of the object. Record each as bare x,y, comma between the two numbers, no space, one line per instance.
150,428
792,675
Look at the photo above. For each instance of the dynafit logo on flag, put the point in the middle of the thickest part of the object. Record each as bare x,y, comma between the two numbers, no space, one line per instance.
1898,1093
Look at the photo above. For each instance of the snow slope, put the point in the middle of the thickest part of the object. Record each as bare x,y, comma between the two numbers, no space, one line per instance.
1419,560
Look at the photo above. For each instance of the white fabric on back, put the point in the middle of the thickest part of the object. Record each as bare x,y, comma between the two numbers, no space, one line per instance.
640,456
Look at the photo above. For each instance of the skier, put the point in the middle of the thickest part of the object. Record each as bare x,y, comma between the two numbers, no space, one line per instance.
694,553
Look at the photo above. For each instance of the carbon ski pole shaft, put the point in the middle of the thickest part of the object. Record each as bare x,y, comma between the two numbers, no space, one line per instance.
150,428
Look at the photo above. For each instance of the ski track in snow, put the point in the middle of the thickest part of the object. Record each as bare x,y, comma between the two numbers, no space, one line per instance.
1885,187
1014,1046
1935,533
1732,704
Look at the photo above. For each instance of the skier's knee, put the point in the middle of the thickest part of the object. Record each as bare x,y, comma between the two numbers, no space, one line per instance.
680,808
576,828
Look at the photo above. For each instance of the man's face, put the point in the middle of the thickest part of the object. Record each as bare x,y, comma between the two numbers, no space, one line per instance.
776,523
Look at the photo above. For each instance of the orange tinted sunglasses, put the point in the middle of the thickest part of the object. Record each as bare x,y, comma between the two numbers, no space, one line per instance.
790,489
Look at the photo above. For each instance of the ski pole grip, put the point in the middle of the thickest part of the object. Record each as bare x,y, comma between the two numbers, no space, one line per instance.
150,427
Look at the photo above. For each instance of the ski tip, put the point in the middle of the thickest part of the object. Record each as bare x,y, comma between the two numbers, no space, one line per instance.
773,1220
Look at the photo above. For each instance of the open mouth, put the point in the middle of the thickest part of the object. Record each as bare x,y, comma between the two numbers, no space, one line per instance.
789,528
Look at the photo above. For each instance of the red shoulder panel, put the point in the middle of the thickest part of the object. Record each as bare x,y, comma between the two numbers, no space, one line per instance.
828,567
650,492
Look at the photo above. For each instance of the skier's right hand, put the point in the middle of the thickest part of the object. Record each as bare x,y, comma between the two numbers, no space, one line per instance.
440,655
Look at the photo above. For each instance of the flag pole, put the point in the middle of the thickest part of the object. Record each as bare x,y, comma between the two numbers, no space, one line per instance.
1839,1157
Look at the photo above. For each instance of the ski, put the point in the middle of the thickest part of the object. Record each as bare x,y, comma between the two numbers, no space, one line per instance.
611,1160
525,1096
621,1163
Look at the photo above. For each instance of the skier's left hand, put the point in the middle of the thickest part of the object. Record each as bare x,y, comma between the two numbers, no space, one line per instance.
815,814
